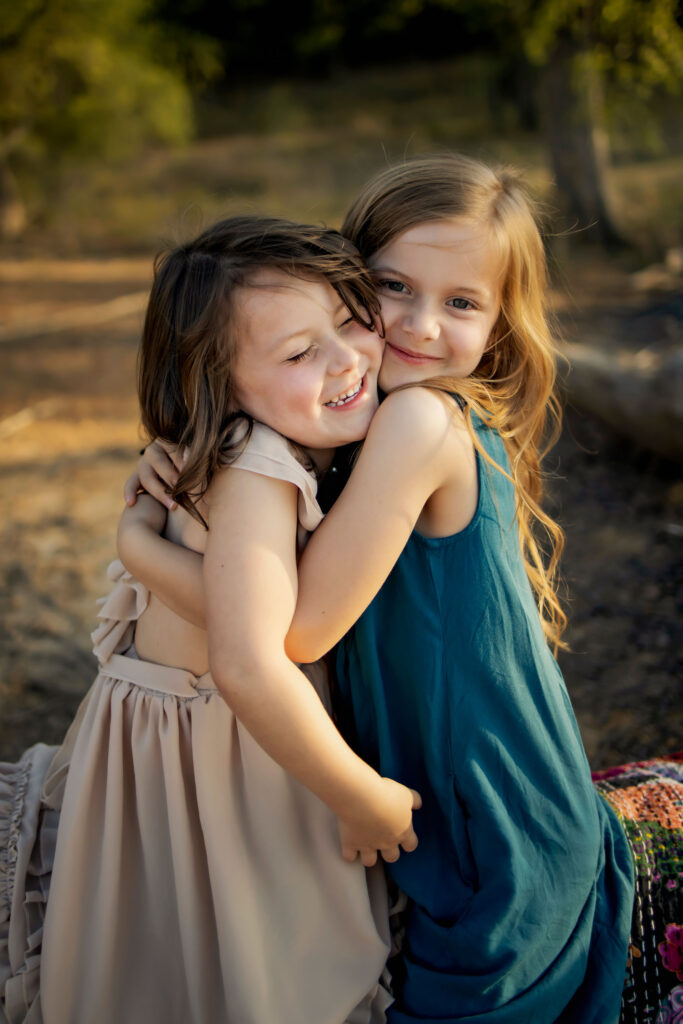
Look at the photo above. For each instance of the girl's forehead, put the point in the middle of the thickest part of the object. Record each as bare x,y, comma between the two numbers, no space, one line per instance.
277,281
274,306
449,235
276,293
445,253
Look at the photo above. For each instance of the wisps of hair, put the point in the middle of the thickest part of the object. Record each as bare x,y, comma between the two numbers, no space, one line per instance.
186,356
513,388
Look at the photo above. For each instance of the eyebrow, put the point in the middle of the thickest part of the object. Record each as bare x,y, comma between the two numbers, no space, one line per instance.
280,342
468,289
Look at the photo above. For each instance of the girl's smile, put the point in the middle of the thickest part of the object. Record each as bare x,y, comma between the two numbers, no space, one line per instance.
346,400
439,284
303,365
411,357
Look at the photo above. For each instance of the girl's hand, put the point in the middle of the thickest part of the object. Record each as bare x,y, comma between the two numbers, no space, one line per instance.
156,472
384,824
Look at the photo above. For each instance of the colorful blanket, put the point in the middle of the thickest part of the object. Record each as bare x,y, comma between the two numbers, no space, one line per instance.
648,798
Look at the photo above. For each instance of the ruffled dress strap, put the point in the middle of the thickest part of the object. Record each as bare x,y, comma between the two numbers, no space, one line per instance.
119,612
270,454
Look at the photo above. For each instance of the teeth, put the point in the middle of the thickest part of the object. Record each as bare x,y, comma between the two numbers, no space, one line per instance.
342,399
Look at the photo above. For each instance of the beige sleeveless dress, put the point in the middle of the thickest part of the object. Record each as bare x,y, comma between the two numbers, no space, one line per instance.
190,879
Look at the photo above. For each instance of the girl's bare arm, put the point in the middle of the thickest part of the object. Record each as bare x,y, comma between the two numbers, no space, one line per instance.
171,572
251,586
415,445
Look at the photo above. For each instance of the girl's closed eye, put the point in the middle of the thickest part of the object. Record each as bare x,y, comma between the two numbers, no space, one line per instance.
301,356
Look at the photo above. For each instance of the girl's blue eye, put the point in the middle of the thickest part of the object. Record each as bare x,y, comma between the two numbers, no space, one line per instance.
461,303
300,356
392,286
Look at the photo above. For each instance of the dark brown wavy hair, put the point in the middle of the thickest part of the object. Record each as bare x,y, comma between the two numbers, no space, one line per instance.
186,355
513,388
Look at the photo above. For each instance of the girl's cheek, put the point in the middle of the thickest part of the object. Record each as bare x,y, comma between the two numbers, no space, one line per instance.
389,328
376,350
293,389
386,307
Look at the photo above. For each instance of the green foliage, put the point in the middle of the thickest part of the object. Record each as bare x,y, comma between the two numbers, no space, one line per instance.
80,77
638,44
631,50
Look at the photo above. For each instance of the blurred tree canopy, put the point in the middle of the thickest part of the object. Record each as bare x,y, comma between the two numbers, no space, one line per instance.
638,42
555,59
79,77
95,76
582,47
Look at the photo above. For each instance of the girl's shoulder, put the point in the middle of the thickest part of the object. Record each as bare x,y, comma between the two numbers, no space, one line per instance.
269,454
422,409
422,423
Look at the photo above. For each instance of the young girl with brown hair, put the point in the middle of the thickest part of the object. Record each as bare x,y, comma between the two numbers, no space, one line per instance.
430,576
162,865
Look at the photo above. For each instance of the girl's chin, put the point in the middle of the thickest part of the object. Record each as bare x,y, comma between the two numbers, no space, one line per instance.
389,381
356,431
360,429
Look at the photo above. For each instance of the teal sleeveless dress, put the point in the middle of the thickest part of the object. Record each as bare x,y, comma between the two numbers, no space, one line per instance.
521,889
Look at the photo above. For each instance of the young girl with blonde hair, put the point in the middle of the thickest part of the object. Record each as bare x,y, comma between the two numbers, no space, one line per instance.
431,576
521,889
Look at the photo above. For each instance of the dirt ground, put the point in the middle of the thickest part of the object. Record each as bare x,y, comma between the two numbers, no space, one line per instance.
68,427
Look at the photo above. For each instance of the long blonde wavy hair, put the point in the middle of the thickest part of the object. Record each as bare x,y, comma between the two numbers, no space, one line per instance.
513,388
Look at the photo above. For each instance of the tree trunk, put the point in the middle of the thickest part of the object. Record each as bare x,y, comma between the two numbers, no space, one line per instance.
514,81
571,101
13,217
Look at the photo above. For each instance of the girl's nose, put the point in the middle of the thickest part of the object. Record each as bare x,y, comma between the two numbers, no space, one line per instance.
343,357
422,322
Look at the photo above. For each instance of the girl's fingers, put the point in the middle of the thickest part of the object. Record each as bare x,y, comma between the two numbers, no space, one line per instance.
178,457
368,855
172,452
131,488
156,473
409,842
154,485
161,462
391,854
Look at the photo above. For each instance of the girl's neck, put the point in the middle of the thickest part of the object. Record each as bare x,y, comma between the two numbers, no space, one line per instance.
321,457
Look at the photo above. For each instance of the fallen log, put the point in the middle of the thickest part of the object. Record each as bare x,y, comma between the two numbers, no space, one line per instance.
640,394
